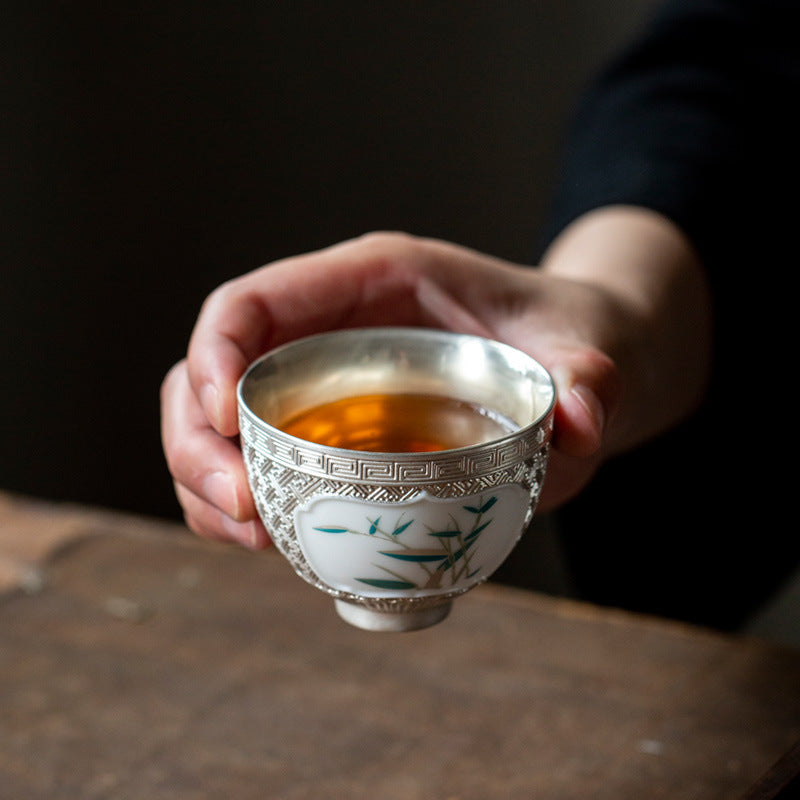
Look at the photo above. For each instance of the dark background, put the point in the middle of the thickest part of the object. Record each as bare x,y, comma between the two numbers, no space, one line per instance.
152,150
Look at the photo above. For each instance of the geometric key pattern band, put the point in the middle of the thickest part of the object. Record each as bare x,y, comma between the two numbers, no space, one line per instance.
383,468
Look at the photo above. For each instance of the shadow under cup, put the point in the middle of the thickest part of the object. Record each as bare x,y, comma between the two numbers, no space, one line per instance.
394,537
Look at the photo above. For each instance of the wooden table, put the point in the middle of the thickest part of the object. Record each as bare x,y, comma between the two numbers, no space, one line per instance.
138,662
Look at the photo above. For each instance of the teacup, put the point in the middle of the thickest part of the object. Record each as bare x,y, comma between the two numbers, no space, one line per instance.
394,536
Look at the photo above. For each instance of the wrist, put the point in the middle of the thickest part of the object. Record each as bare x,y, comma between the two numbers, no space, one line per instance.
658,320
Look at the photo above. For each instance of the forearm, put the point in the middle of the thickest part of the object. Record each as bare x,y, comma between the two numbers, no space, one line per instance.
662,341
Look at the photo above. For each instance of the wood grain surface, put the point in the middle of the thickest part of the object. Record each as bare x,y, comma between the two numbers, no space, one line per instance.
139,662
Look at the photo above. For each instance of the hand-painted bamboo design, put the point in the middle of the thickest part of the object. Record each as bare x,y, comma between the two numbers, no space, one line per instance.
452,556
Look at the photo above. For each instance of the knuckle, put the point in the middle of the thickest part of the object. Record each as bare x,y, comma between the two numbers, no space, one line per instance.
221,297
178,458
168,383
389,242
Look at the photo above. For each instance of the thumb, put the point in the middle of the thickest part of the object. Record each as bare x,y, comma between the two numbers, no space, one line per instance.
587,391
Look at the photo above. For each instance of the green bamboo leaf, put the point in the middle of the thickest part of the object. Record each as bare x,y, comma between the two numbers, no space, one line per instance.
477,530
374,526
332,530
400,528
458,554
485,507
445,534
415,555
382,583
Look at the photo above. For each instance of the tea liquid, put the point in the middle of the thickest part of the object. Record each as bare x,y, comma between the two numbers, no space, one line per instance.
397,423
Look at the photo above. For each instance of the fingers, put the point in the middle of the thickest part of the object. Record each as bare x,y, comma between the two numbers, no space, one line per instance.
210,479
366,281
361,282
211,523
228,335
587,390
565,478
380,279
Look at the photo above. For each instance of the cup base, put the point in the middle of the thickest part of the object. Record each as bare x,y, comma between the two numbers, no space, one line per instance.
391,621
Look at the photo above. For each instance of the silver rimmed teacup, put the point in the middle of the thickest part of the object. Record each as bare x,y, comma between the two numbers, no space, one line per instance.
394,537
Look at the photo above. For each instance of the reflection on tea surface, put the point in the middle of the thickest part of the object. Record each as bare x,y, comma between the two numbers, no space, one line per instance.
398,423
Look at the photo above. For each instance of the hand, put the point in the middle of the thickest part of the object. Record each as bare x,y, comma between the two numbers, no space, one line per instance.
570,326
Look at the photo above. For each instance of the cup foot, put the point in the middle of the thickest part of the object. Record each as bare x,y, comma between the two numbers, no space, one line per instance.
369,619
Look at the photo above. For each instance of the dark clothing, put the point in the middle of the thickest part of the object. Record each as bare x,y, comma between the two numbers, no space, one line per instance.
697,121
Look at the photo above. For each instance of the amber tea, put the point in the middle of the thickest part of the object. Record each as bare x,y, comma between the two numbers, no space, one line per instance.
398,423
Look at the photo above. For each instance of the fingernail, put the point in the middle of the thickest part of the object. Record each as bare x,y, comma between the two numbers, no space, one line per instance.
565,382
247,534
209,399
562,378
219,490
591,402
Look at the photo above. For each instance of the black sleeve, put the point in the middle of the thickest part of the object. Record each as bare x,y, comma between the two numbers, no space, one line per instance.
696,120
